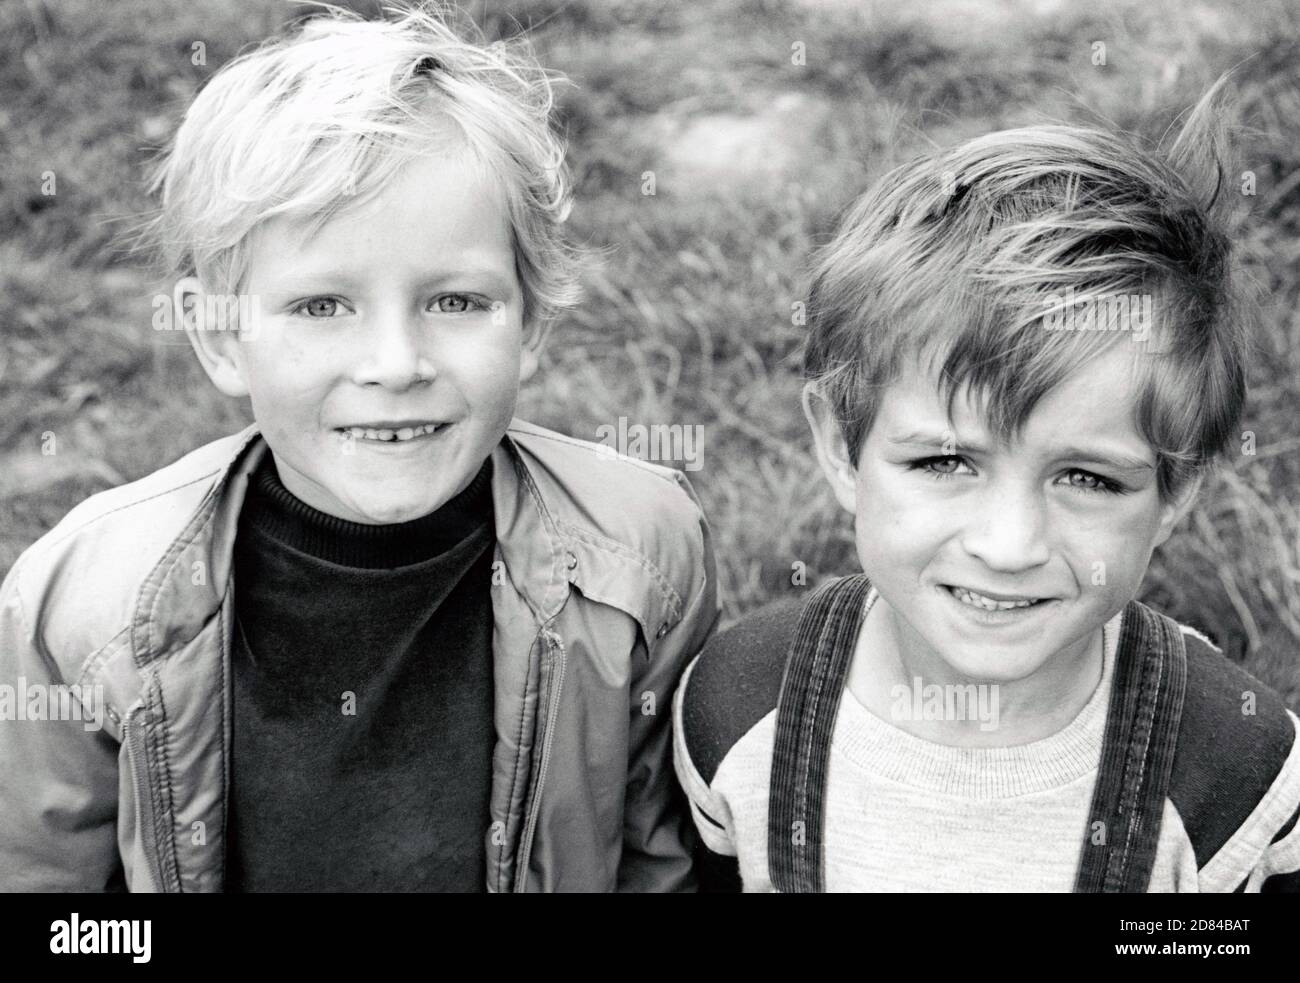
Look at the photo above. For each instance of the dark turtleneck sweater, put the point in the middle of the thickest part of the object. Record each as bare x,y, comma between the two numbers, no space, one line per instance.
362,672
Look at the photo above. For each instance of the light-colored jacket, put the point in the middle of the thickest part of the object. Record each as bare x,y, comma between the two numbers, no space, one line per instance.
603,589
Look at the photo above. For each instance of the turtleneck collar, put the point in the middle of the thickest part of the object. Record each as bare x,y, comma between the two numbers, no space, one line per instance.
274,510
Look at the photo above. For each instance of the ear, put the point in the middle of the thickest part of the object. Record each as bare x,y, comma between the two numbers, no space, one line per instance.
832,449
1172,513
528,358
218,351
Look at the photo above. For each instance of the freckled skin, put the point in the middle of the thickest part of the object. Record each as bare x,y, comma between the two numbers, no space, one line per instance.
1018,520
402,327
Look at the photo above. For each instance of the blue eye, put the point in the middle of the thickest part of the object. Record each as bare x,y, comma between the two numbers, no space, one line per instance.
1091,482
944,466
317,308
457,304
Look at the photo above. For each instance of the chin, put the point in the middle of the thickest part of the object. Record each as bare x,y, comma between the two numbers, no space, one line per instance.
991,665
380,501
392,513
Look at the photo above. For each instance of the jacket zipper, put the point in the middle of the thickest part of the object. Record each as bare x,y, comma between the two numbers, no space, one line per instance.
553,645
144,799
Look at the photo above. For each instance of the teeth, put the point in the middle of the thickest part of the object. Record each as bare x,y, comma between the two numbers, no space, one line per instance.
987,603
389,436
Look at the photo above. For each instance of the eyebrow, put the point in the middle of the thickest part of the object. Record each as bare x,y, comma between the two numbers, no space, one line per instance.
1109,459
1117,461
306,281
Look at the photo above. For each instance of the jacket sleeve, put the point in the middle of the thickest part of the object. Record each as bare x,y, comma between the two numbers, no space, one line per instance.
58,778
658,838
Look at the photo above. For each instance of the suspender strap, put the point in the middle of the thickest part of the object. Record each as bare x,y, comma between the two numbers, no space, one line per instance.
1137,755
1146,705
815,673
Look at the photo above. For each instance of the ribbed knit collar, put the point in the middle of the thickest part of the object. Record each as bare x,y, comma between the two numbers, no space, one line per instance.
272,509
981,773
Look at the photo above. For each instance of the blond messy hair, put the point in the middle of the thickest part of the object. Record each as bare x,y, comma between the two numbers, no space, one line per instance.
955,259
325,115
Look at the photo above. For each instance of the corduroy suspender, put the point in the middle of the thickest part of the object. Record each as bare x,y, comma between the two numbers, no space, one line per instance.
1137,755
1119,842
815,671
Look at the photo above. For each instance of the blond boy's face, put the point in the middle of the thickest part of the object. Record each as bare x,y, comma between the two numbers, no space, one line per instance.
1065,519
387,357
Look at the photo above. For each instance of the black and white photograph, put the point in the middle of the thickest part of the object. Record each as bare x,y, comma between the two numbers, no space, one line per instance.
615,446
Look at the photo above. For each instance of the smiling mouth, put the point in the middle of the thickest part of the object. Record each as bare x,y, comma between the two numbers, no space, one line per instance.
391,435
983,602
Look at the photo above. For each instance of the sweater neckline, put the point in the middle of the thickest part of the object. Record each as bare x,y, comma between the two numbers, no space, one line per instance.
271,509
886,750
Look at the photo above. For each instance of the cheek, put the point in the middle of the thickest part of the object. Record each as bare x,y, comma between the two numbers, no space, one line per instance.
897,525
486,372
902,503
285,380
291,389
1108,549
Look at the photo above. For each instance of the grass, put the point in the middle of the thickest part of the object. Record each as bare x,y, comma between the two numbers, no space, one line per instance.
688,317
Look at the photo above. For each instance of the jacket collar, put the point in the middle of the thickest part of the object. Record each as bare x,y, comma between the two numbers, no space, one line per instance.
193,575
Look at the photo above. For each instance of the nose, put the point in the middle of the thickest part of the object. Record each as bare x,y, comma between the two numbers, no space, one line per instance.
396,352
1007,530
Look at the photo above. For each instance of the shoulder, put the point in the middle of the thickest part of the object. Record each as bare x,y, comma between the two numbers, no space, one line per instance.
1234,738
736,682
156,501
607,499
77,584
598,474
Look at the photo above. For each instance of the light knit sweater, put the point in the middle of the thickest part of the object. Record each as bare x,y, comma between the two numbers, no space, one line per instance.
906,814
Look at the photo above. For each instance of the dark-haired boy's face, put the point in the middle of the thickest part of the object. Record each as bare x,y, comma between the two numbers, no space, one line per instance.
387,357
998,562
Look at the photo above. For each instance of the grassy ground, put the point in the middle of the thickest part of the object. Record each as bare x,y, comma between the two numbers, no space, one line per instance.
688,320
